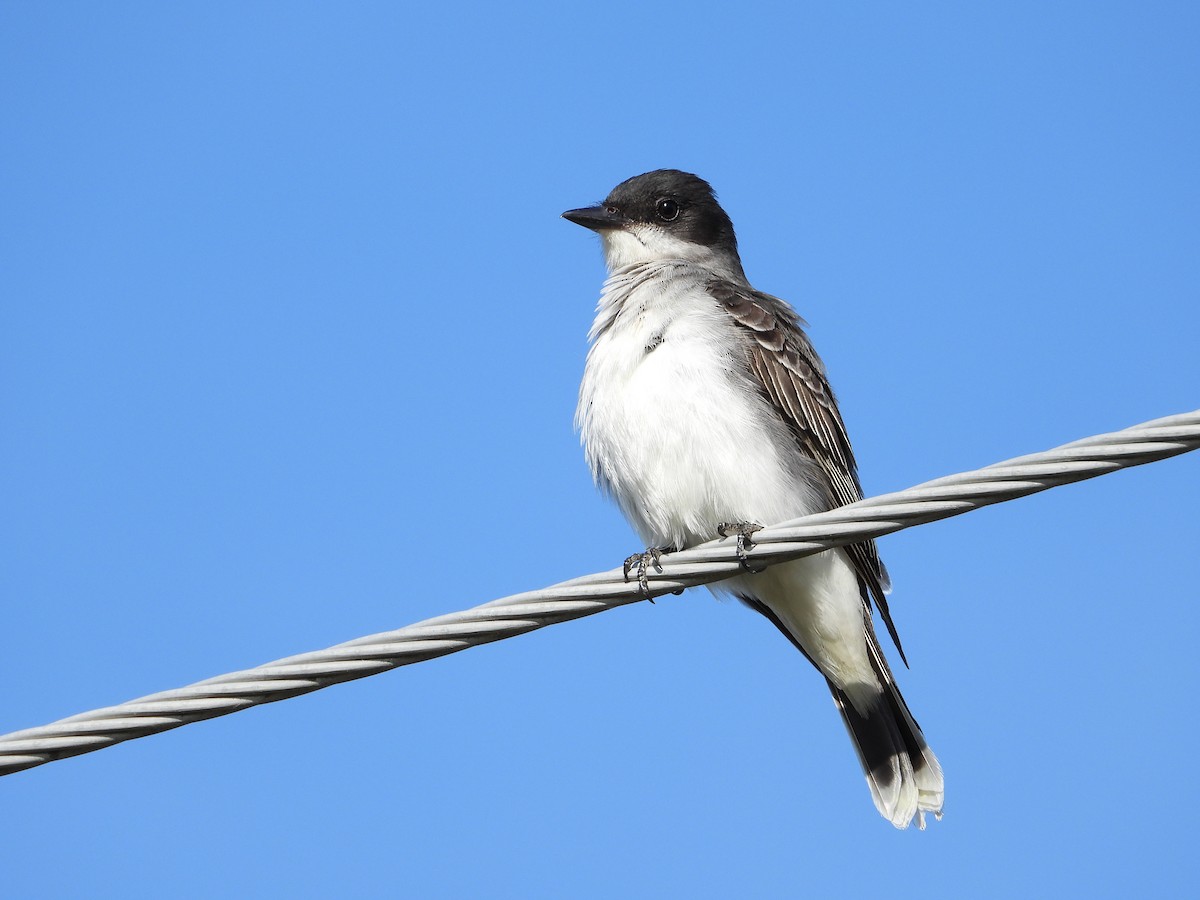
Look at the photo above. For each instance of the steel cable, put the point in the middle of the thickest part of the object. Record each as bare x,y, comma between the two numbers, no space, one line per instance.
590,594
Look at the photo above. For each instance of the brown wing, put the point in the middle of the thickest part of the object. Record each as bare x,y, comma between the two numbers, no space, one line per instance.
793,379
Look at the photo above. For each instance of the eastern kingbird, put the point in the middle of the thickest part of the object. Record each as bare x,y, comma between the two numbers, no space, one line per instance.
705,411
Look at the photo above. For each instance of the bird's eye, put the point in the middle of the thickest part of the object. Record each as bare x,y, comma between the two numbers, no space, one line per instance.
667,209
611,210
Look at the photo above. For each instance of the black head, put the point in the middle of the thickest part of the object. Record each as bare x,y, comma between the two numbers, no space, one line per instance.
681,204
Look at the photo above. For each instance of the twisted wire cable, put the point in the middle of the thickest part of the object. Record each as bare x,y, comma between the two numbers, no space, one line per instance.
590,594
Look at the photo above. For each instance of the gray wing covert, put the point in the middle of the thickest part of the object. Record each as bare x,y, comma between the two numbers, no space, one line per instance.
793,378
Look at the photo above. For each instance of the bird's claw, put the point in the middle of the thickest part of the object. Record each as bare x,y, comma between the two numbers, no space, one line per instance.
743,530
651,556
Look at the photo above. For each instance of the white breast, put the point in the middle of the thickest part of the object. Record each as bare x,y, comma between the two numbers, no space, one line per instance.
672,423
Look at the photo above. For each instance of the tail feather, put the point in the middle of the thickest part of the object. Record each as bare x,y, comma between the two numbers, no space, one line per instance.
903,774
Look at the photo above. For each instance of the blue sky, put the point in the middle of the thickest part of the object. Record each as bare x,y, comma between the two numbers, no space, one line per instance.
290,336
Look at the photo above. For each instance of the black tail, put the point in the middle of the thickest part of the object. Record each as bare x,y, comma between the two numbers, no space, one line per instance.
903,775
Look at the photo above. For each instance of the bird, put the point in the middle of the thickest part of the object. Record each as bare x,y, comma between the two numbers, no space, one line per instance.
705,412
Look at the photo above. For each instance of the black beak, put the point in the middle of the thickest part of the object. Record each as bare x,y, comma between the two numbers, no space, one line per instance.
597,218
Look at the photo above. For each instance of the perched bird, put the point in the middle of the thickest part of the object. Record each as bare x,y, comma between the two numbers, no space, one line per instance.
705,411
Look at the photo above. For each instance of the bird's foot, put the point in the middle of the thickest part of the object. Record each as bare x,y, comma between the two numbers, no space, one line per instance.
651,556
743,530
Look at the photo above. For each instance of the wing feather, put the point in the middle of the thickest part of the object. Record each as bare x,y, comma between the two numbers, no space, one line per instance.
793,378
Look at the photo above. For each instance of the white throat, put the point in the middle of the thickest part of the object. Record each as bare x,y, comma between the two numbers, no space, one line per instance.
642,243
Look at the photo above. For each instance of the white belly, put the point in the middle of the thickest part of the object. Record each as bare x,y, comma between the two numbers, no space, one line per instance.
677,431
679,435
